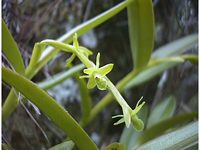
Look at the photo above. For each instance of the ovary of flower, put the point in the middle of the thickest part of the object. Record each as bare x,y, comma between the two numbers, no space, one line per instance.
130,115
96,75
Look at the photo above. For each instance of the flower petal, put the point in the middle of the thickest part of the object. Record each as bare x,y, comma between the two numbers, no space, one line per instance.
91,83
119,122
137,108
75,42
97,60
117,116
105,69
81,77
89,70
127,116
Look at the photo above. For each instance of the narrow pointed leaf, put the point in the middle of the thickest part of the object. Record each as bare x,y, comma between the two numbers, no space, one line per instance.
141,31
50,107
162,111
59,77
182,138
175,47
149,73
68,145
11,50
115,146
162,126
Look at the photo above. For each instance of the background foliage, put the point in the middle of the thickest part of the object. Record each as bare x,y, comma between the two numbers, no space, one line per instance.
33,21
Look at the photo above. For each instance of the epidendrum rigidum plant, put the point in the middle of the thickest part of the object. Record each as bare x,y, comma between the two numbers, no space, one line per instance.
97,76
146,66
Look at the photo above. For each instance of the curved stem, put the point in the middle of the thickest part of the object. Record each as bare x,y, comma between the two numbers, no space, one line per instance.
107,99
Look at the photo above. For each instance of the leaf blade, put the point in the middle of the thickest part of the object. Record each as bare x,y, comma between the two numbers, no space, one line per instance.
175,47
177,139
50,107
141,31
162,126
162,111
11,50
60,77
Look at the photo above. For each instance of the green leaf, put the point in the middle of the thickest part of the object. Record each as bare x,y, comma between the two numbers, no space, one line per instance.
50,107
157,129
60,77
68,145
130,136
141,31
11,50
182,138
6,147
162,111
151,71
86,101
115,146
175,47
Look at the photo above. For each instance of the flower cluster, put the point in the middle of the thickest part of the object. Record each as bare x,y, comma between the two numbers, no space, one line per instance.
97,77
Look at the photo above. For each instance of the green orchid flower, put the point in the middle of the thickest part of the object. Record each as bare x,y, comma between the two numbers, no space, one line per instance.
96,75
130,115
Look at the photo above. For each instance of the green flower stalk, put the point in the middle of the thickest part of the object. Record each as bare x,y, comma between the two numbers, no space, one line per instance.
97,77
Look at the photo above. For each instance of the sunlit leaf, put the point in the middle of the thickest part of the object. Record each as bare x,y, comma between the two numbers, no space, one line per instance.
50,107
149,73
175,47
59,77
157,129
182,138
162,111
6,147
115,146
68,145
11,50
